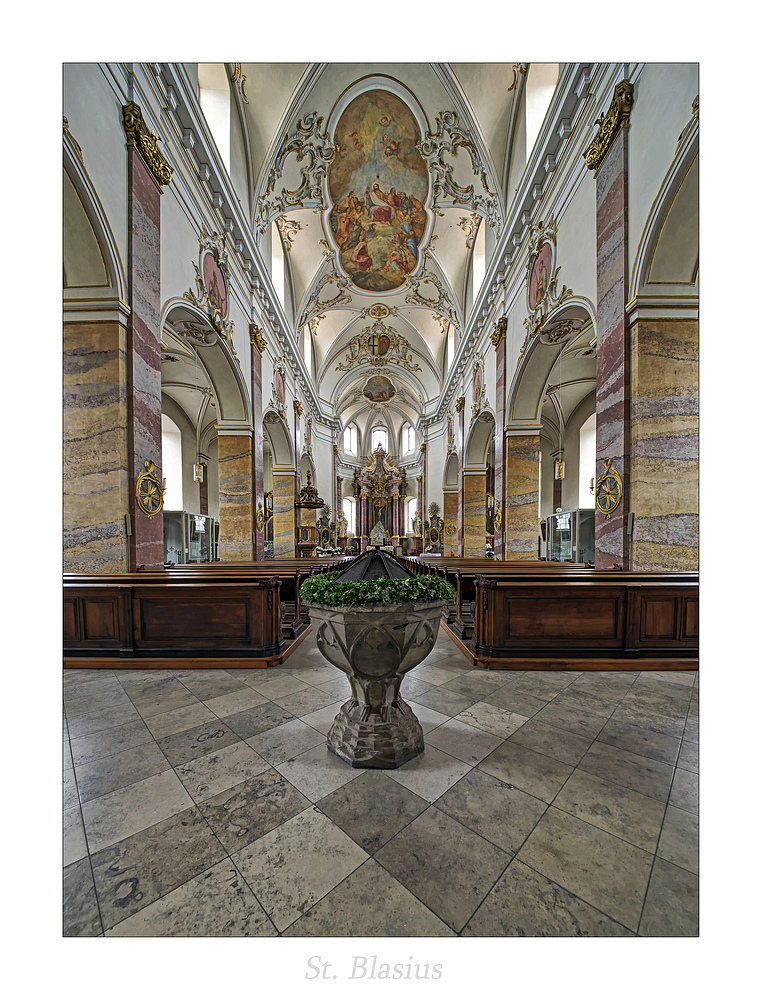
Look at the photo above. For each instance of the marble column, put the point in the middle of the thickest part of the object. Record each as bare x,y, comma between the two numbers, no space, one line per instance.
424,513
557,456
144,345
203,486
474,513
459,408
498,342
258,347
664,444
450,515
522,493
284,522
236,495
612,377
96,448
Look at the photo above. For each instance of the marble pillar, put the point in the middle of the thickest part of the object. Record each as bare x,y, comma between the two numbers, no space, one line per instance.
522,493
236,497
96,454
612,376
258,347
284,521
144,352
664,444
459,408
450,515
474,514
498,341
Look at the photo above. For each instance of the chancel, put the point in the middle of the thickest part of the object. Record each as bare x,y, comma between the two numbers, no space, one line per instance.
443,315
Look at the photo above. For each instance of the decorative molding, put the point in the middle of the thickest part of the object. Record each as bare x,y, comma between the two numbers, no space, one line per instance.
449,138
499,332
288,229
611,124
364,348
298,408
239,80
546,286
146,142
314,149
74,142
561,332
256,338
519,69
470,225
441,305
213,243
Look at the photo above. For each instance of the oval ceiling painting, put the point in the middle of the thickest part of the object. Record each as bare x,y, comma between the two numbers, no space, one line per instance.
378,184
378,389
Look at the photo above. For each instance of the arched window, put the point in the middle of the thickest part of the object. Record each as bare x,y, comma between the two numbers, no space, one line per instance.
586,461
379,436
350,439
214,98
172,463
348,506
412,506
541,82
278,271
479,260
450,347
408,439
307,338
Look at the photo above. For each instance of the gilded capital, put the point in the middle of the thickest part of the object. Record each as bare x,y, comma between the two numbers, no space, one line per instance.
611,124
499,333
256,338
423,448
298,408
460,405
336,449
146,143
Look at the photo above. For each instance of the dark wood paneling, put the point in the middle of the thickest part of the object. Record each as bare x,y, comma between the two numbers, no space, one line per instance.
659,618
690,618
563,618
159,618
71,628
100,619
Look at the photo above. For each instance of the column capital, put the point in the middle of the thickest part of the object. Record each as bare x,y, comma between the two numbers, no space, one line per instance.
145,142
256,338
499,332
460,404
298,408
611,124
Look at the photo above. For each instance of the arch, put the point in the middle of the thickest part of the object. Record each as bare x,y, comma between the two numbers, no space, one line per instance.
666,260
189,323
481,436
530,379
279,437
450,472
307,465
100,238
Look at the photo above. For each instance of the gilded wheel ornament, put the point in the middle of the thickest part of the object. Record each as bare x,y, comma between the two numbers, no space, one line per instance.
608,490
148,490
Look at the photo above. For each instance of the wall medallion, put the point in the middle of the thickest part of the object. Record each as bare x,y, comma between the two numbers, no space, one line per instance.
608,490
148,490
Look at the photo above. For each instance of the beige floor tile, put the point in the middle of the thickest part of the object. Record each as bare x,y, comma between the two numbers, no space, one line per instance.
286,741
237,701
206,776
535,773
430,774
323,719
74,843
428,718
492,719
464,742
317,772
179,719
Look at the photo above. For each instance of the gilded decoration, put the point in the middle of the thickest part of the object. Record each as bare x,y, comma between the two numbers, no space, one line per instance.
378,345
257,339
278,398
212,277
499,332
148,490
460,404
611,124
479,391
543,293
378,184
608,490
261,521
146,142
298,408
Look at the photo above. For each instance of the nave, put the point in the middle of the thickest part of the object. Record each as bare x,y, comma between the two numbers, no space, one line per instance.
205,803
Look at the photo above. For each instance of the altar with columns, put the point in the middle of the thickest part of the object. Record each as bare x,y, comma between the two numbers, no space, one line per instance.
380,493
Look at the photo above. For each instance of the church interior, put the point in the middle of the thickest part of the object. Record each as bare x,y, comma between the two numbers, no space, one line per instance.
445,309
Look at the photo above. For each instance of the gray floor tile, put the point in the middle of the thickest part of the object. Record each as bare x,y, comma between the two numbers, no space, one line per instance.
235,701
464,742
678,843
140,869
259,719
74,843
369,903
688,758
685,790
445,702
671,907
81,917
447,866
640,739
306,701
372,808
597,867
503,815
535,773
642,774
293,867
105,775
526,904
317,772
216,903
557,743
567,716
520,704
181,747
110,741
104,719
625,813
492,719
252,809
212,773
179,719
430,774
281,743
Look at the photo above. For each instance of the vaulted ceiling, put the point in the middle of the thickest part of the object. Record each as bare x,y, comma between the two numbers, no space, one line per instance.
379,275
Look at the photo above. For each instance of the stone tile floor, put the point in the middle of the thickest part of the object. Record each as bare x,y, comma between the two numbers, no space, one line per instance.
206,803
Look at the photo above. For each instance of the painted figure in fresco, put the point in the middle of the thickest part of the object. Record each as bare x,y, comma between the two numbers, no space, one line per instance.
361,257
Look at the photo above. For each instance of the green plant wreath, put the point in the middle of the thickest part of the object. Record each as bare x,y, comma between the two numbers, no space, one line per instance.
321,588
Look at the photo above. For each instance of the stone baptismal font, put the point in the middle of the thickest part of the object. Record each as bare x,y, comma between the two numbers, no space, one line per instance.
376,645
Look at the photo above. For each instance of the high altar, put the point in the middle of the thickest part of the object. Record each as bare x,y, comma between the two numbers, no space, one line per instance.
380,494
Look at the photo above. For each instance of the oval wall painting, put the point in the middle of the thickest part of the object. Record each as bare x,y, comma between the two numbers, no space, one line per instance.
378,183
540,276
214,282
378,389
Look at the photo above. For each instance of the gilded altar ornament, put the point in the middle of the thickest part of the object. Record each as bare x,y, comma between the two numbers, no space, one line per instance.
611,124
260,519
497,520
146,143
460,404
298,408
256,338
148,490
608,490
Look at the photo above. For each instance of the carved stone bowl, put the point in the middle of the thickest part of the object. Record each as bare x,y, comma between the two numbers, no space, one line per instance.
375,647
